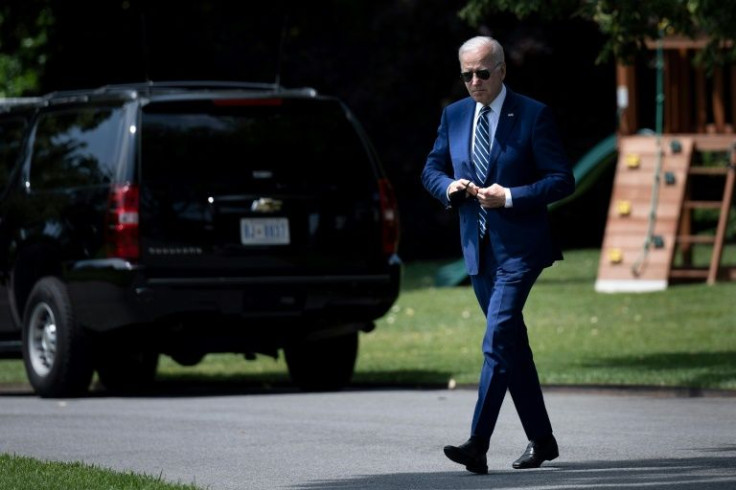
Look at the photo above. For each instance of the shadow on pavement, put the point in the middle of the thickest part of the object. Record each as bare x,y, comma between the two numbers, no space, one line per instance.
173,387
703,473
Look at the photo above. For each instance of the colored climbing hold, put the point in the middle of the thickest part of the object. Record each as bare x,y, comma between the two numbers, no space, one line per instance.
624,208
615,256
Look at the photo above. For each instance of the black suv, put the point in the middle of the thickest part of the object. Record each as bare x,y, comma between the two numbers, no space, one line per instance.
187,218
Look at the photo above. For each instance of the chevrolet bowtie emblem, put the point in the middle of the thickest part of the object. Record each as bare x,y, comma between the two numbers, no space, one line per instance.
265,205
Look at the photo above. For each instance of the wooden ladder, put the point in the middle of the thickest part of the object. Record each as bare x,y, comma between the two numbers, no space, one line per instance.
686,238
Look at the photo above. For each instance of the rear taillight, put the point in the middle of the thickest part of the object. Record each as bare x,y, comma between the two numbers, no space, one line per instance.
389,217
121,234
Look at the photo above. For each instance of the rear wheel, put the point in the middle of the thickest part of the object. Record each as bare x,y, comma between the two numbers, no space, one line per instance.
323,364
55,348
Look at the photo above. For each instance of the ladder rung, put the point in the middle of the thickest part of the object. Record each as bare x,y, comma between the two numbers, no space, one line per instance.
689,273
702,204
695,239
708,170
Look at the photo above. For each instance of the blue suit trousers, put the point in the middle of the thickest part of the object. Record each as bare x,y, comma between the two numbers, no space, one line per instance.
508,363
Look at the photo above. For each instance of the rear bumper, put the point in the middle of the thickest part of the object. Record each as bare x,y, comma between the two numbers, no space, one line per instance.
111,294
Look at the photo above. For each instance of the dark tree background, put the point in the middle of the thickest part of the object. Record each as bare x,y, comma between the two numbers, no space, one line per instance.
394,62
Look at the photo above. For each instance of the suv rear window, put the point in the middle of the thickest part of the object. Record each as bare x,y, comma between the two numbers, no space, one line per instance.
261,144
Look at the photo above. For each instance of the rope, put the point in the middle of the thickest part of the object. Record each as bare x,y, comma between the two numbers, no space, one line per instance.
637,266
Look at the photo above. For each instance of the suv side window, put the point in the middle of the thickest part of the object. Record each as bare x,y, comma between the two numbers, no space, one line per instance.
11,138
78,148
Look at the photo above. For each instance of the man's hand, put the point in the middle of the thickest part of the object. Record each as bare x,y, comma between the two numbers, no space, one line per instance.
459,186
460,190
492,197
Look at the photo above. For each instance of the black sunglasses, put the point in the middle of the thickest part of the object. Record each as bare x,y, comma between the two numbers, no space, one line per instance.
467,76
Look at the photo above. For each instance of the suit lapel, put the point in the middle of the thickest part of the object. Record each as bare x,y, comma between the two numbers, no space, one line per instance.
506,121
461,138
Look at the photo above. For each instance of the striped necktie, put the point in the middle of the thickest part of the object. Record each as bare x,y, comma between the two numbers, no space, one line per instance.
482,157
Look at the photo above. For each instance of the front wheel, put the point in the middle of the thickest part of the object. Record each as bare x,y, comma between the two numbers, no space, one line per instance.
323,364
55,348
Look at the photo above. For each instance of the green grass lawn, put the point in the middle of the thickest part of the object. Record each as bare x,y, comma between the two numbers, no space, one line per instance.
22,473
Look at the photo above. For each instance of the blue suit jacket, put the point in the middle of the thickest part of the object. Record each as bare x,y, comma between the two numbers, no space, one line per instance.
527,157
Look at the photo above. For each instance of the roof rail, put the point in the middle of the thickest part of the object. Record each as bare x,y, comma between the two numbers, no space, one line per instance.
19,100
7,103
204,85
129,90
189,84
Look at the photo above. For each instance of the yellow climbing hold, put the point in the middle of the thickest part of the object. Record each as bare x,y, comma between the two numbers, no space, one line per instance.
615,256
624,208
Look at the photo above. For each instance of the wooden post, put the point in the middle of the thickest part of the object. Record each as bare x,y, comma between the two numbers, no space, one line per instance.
686,112
728,191
719,112
701,103
672,91
733,98
626,99
686,227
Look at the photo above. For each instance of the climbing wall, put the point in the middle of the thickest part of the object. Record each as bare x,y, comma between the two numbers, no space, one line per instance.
644,212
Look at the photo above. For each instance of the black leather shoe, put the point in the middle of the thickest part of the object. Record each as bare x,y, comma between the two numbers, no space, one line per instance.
536,453
469,454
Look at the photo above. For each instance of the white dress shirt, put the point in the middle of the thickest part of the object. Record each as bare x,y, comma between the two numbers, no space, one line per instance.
496,105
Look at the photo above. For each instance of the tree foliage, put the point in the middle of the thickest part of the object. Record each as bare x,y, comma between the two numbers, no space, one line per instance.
627,24
24,34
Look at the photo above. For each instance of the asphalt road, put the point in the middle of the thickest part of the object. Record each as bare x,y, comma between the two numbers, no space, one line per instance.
378,439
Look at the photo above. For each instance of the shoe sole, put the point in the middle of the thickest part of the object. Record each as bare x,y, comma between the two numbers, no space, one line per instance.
457,458
527,466
478,470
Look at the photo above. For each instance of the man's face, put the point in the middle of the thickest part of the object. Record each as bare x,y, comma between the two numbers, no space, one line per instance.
477,64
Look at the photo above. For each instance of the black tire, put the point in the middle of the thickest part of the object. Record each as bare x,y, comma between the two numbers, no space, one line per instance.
56,350
125,369
323,364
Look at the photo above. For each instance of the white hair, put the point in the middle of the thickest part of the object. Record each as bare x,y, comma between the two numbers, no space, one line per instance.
479,42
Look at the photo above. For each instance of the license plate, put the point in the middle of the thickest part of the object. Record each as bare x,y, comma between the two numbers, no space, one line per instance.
264,231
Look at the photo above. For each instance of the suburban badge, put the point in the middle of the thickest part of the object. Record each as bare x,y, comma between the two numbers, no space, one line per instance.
266,205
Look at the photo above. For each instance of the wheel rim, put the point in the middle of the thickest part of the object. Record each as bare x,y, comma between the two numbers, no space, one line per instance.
42,335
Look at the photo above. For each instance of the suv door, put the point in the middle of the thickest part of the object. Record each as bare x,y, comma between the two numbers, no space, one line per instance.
13,129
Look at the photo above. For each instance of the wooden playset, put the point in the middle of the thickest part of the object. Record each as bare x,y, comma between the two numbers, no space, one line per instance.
668,182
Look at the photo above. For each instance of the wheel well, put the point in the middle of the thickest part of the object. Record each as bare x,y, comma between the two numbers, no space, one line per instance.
33,263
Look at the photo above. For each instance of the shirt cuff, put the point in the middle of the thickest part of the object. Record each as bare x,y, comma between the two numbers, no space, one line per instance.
509,202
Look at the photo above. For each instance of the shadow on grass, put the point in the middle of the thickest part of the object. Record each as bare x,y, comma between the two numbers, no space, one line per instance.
702,368
703,473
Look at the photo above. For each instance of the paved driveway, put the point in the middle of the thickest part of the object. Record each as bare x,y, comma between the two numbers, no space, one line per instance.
378,439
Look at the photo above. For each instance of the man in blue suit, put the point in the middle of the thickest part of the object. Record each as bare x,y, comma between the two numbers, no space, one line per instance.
500,168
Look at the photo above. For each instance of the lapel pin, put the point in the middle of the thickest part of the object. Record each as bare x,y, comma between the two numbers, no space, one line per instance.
510,114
